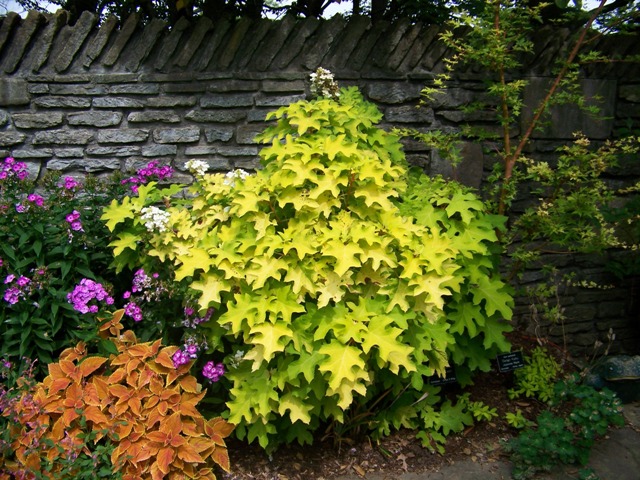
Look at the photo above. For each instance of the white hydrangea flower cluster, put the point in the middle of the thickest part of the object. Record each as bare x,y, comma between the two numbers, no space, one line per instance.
323,84
197,167
230,177
155,219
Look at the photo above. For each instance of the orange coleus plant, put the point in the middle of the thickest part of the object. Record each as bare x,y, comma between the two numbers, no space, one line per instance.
136,400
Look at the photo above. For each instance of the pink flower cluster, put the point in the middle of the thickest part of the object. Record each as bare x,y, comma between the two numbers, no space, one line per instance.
145,175
32,199
13,169
85,292
188,352
149,288
192,320
70,183
17,290
213,371
73,219
21,287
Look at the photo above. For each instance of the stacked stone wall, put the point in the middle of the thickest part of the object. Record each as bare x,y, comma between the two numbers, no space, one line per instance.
99,97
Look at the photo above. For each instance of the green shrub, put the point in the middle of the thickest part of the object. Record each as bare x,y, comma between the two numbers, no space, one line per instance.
559,438
336,285
537,378
51,236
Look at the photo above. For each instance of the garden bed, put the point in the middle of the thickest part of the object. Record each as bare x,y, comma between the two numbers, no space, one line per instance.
401,452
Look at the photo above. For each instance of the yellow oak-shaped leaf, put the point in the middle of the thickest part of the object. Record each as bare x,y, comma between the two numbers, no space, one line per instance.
342,362
382,335
332,289
271,337
194,259
298,409
347,255
211,285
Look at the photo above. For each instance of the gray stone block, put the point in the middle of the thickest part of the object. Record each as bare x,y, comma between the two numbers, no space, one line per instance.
117,102
27,153
75,41
37,120
62,102
229,151
246,134
166,101
135,89
177,135
130,135
13,92
97,44
4,118
64,89
21,40
153,116
278,100
121,40
63,137
218,134
409,114
393,92
127,151
9,139
197,151
95,119
69,152
227,101
159,150
216,116
630,93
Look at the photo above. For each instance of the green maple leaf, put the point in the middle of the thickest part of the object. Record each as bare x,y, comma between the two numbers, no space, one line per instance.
301,280
382,335
372,194
241,314
494,293
345,392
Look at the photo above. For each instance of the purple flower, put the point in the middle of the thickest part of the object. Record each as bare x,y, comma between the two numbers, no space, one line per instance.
37,199
180,358
70,183
23,281
134,311
12,295
86,291
126,295
73,219
20,208
213,371
9,278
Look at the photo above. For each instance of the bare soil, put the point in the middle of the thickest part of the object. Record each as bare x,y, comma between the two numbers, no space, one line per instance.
401,452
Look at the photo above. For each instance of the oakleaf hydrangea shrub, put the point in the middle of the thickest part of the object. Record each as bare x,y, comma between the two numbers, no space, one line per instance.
330,289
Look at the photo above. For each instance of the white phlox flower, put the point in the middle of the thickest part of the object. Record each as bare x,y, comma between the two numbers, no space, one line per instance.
155,219
231,176
197,167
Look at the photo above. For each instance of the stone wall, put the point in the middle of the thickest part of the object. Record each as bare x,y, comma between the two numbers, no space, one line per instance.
96,98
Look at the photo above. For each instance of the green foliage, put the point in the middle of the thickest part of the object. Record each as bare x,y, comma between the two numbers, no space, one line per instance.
335,282
565,439
43,255
518,420
537,378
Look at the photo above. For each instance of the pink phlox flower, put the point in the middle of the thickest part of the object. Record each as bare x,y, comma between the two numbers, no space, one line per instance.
9,278
213,371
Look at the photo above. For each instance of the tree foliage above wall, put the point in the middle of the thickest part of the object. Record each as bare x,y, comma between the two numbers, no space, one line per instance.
435,12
